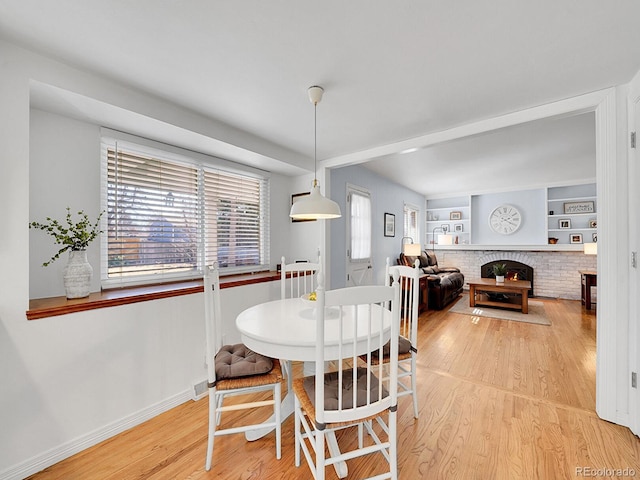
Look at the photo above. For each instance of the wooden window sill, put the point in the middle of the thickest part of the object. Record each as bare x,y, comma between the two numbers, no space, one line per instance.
52,306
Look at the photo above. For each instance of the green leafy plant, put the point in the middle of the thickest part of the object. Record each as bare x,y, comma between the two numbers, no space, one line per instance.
500,269
75,235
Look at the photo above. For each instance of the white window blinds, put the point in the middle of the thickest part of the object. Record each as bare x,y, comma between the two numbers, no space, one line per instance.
166,219
234,209
411,222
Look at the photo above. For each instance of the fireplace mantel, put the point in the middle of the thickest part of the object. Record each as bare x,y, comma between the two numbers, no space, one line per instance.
578,247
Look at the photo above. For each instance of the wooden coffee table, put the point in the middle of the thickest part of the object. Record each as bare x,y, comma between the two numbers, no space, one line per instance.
483,285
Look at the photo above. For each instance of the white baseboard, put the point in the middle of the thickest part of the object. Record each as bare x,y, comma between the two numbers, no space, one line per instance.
57,454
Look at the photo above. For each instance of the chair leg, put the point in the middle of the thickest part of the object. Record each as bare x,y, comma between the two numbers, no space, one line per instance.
320,446
298,435
414,386
213,421
393,444
277,400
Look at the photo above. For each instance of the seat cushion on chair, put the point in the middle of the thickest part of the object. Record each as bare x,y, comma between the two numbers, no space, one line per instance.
233,361
331,388
404,346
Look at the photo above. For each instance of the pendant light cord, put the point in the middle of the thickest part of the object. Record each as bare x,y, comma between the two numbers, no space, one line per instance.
315,144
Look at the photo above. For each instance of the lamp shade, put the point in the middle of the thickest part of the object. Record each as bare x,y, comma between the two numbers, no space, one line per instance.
412,249
590,248
315,207
445,239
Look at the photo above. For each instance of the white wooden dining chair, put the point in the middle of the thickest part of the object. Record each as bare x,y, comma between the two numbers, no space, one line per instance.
409,279
296,279
235,370
348,322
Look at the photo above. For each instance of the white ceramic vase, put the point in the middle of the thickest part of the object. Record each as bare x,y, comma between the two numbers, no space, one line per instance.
77,275
499,278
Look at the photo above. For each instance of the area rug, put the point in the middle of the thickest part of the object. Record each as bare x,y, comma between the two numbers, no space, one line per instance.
537,313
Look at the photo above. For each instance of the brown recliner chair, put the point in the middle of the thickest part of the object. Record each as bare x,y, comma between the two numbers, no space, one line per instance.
445,284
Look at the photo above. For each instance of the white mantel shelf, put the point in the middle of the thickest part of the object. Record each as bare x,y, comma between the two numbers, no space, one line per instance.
573,247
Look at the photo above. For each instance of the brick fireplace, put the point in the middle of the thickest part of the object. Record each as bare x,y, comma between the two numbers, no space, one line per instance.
556,274
515,271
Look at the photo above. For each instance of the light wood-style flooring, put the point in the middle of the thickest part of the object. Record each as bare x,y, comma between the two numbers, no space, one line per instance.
498,400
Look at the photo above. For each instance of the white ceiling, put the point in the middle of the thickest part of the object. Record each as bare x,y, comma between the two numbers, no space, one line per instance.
391,70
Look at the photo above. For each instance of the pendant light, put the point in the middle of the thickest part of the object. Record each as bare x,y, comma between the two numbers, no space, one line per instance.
315,206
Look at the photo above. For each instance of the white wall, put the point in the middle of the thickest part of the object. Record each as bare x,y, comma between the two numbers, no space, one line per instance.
72,380
64,172
531,204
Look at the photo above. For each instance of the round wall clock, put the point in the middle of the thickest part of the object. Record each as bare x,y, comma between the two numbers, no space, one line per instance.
505,219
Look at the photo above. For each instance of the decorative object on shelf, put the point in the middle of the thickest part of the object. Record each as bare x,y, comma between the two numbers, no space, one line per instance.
315,206
564,223
389,225
594,237
75,237
500,270
579,207
590,248
411,249
505,219
550,212
458,227
553,240
593,224
296,197
576,238
455,216
445,227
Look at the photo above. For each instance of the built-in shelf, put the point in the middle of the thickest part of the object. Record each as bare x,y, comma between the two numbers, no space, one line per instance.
449,215
570,229
565,220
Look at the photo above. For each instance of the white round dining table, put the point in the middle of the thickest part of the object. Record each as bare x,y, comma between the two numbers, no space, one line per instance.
286,329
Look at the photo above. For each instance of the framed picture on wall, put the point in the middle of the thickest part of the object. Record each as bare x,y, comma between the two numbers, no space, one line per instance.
389,225
564,223
579,207
294,198
576,238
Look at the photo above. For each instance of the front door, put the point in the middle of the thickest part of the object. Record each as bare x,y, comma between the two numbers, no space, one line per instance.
359,266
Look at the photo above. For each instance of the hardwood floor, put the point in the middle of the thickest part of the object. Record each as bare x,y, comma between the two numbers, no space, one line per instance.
498,400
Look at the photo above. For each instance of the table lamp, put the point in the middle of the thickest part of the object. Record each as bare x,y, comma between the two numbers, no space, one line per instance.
411,249
590,248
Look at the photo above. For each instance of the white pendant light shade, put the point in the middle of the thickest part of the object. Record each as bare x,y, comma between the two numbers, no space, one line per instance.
315,206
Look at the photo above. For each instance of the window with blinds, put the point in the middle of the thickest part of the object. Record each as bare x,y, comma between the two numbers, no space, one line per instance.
166,219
